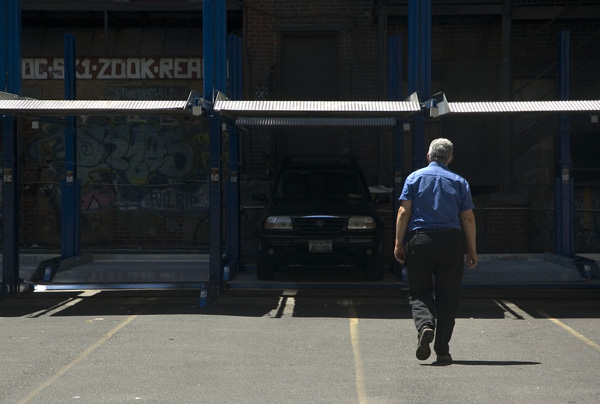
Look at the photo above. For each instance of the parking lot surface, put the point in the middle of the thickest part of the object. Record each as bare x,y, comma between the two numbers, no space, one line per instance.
294,346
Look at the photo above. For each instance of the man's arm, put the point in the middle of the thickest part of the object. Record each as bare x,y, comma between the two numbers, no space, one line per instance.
402,220
467,219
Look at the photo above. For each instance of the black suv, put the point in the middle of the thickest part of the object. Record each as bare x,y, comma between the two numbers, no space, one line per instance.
320,214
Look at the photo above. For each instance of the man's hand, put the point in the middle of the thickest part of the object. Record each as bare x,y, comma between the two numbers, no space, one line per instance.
467,219
399,253
472,259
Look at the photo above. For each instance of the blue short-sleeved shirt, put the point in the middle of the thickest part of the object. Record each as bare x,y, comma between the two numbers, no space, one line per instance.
438,197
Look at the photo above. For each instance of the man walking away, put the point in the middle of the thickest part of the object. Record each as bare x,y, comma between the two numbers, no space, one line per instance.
436,208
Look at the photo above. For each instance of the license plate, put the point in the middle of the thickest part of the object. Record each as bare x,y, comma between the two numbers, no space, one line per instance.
319,246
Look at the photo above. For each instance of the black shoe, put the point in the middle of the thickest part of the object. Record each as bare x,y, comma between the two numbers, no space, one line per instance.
425,338
444,358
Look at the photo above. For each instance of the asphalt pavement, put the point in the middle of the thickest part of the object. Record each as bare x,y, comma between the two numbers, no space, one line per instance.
294,346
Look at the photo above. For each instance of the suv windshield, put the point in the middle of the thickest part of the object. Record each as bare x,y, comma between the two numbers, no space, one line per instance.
320,184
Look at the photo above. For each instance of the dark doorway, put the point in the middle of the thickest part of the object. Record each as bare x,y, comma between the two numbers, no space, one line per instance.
310,67
310,72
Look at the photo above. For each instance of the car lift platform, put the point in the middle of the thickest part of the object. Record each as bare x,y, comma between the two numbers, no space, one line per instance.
519,271
191,271
528,271
115,271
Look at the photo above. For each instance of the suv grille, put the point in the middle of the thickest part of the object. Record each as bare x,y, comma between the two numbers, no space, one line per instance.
319,224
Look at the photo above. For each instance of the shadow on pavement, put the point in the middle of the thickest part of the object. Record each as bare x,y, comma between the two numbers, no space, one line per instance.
484,363
277,303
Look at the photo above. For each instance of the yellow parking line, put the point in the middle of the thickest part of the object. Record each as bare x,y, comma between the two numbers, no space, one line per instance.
358,365
569,329
75,361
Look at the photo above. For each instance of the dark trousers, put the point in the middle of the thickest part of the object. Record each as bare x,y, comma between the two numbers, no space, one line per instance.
435,267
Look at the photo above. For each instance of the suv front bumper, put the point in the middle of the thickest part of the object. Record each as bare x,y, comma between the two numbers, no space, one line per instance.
355,250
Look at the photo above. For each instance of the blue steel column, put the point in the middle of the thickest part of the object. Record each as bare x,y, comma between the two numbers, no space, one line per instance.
233,205
214,46
70,196
10,81
234,91
419,69
564,188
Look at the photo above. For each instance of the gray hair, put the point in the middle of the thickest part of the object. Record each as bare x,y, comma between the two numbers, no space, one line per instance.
440,150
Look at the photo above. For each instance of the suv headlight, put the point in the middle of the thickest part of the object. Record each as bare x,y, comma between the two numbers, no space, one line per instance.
278,223
361,223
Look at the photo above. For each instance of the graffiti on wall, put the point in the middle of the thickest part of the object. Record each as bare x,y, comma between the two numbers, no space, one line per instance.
156,163
141,178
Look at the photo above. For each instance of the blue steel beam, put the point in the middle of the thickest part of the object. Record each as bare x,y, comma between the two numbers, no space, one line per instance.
214,38
564,189
207,49
12,27
214,54
419,68
234,89
215,202
70,196
10,81
233,205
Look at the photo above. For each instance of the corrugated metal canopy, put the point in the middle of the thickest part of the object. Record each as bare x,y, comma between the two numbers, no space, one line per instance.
317,109
275,122
508,107
289,113
21,106
438,106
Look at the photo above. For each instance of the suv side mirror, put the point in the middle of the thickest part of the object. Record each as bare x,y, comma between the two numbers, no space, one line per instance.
259,199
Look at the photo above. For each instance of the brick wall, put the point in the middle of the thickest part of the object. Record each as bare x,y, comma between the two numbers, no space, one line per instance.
266,21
